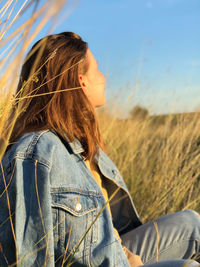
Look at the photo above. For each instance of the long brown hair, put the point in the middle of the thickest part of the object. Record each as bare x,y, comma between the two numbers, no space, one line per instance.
49,95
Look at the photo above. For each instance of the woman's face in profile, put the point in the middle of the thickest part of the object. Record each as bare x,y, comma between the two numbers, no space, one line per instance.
93,82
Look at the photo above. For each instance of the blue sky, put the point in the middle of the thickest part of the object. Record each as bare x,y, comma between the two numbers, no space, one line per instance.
149,49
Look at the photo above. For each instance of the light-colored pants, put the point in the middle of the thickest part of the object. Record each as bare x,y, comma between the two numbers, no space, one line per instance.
167,241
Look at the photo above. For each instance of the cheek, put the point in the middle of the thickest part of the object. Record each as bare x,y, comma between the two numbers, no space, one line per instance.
97,78
95,89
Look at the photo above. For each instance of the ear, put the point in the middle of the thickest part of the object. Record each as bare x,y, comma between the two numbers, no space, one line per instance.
83,81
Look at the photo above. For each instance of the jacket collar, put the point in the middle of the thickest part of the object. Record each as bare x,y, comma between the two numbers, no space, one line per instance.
106,166
76,146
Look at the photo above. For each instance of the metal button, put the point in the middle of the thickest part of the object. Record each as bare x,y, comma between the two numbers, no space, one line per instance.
114,172
78,207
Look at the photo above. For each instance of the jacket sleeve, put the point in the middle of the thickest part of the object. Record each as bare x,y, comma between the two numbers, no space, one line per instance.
33,227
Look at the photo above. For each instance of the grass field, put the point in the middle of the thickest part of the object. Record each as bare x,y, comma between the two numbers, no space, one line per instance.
158,158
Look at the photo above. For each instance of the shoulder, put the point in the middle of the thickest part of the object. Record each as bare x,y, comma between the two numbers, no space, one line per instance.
38,146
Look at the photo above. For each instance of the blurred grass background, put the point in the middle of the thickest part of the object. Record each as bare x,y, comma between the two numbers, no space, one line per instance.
158,157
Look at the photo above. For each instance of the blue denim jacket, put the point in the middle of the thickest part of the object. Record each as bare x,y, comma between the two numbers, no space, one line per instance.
53,199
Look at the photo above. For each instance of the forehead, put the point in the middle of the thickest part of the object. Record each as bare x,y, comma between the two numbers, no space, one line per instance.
90,56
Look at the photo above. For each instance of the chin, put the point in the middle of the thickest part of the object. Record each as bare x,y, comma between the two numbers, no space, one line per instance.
100,104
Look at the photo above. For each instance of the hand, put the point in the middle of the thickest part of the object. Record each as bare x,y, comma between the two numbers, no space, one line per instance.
134,260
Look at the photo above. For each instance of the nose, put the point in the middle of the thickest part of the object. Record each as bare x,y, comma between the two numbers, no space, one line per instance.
104,78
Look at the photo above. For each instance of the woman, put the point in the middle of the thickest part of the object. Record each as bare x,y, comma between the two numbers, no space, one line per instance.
63,201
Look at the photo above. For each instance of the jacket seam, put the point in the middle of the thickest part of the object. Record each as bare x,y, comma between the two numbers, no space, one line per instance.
40,161
29,154
34,141
73,190
66,208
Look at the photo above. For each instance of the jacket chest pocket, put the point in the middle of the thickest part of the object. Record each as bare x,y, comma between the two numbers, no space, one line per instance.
73,213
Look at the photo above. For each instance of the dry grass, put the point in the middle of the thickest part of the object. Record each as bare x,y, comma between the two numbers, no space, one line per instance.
159,160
